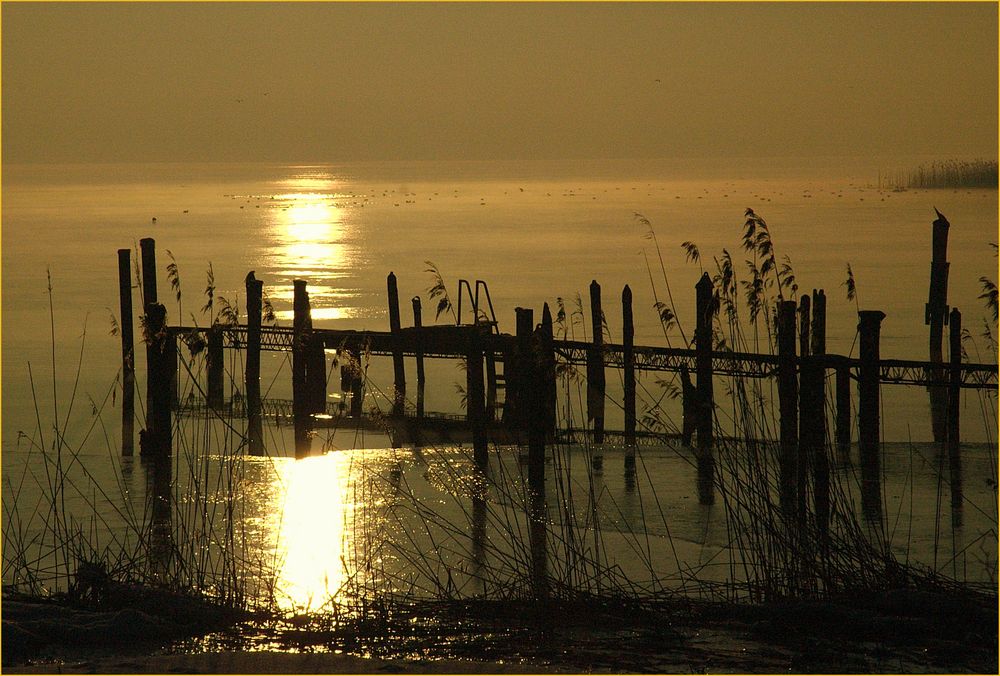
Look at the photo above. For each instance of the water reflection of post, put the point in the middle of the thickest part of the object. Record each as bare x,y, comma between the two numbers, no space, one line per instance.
158,497
954,402
478,529
536,391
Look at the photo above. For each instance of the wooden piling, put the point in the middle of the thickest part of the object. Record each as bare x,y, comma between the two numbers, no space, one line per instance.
936,316
548,372
628,372
595,365
536,395
868,412
128,350
843,420
399,373
818,322
147,253
156,439
316,374
518,380
255,430
417,323
706,397
301,323
216,369
491,385
954,414
788,397
804,321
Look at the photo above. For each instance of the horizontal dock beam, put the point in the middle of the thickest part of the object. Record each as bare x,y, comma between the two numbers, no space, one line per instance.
451,342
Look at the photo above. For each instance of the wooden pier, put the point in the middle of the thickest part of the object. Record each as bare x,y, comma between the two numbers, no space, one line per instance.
530,360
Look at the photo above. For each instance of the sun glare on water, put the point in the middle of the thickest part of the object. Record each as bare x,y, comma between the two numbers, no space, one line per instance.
312,538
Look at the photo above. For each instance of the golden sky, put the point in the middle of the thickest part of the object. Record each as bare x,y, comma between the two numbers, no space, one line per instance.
378,81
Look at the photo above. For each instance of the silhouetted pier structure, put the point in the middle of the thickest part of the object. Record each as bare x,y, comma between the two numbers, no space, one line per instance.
526,414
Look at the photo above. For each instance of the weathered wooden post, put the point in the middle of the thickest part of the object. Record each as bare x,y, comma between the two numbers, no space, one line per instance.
595,365
804,321
788,397
536,395
399,373
301,323
868,412
843,422
936,316
147,252
706,397
816,420
628,373
474,397
417,323
216,373
523,363
819,322
156,440
548,365
128,350
954,414
255,429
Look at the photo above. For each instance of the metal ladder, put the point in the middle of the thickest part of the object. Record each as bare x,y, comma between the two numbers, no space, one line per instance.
479,317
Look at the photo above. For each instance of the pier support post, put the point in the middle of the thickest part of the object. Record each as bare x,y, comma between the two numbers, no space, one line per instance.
156,440
216,369
301,325
548,372
628,373
868,412
523,363
818,322
954,414
936,316
491,385
399,373
255,430
595,365
128,350
536,395
843,422
474,397
804,324
417,323
147,253
706,395
788,396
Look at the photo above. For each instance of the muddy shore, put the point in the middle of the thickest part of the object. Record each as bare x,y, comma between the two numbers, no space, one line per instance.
897,631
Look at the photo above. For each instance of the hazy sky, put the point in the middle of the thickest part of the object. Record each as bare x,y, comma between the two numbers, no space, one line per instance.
331,82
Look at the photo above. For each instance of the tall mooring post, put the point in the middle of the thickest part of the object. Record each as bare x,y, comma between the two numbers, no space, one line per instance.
706,397
595,365
803,458
518,380
399,373
813,416
536,397
548,365
788,397
156,440
301,335
954,414
628,374
147,249
128,350
417,323
870,324
936,316
255,429
474,397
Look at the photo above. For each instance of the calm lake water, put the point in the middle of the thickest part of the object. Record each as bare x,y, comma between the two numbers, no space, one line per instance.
535,232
